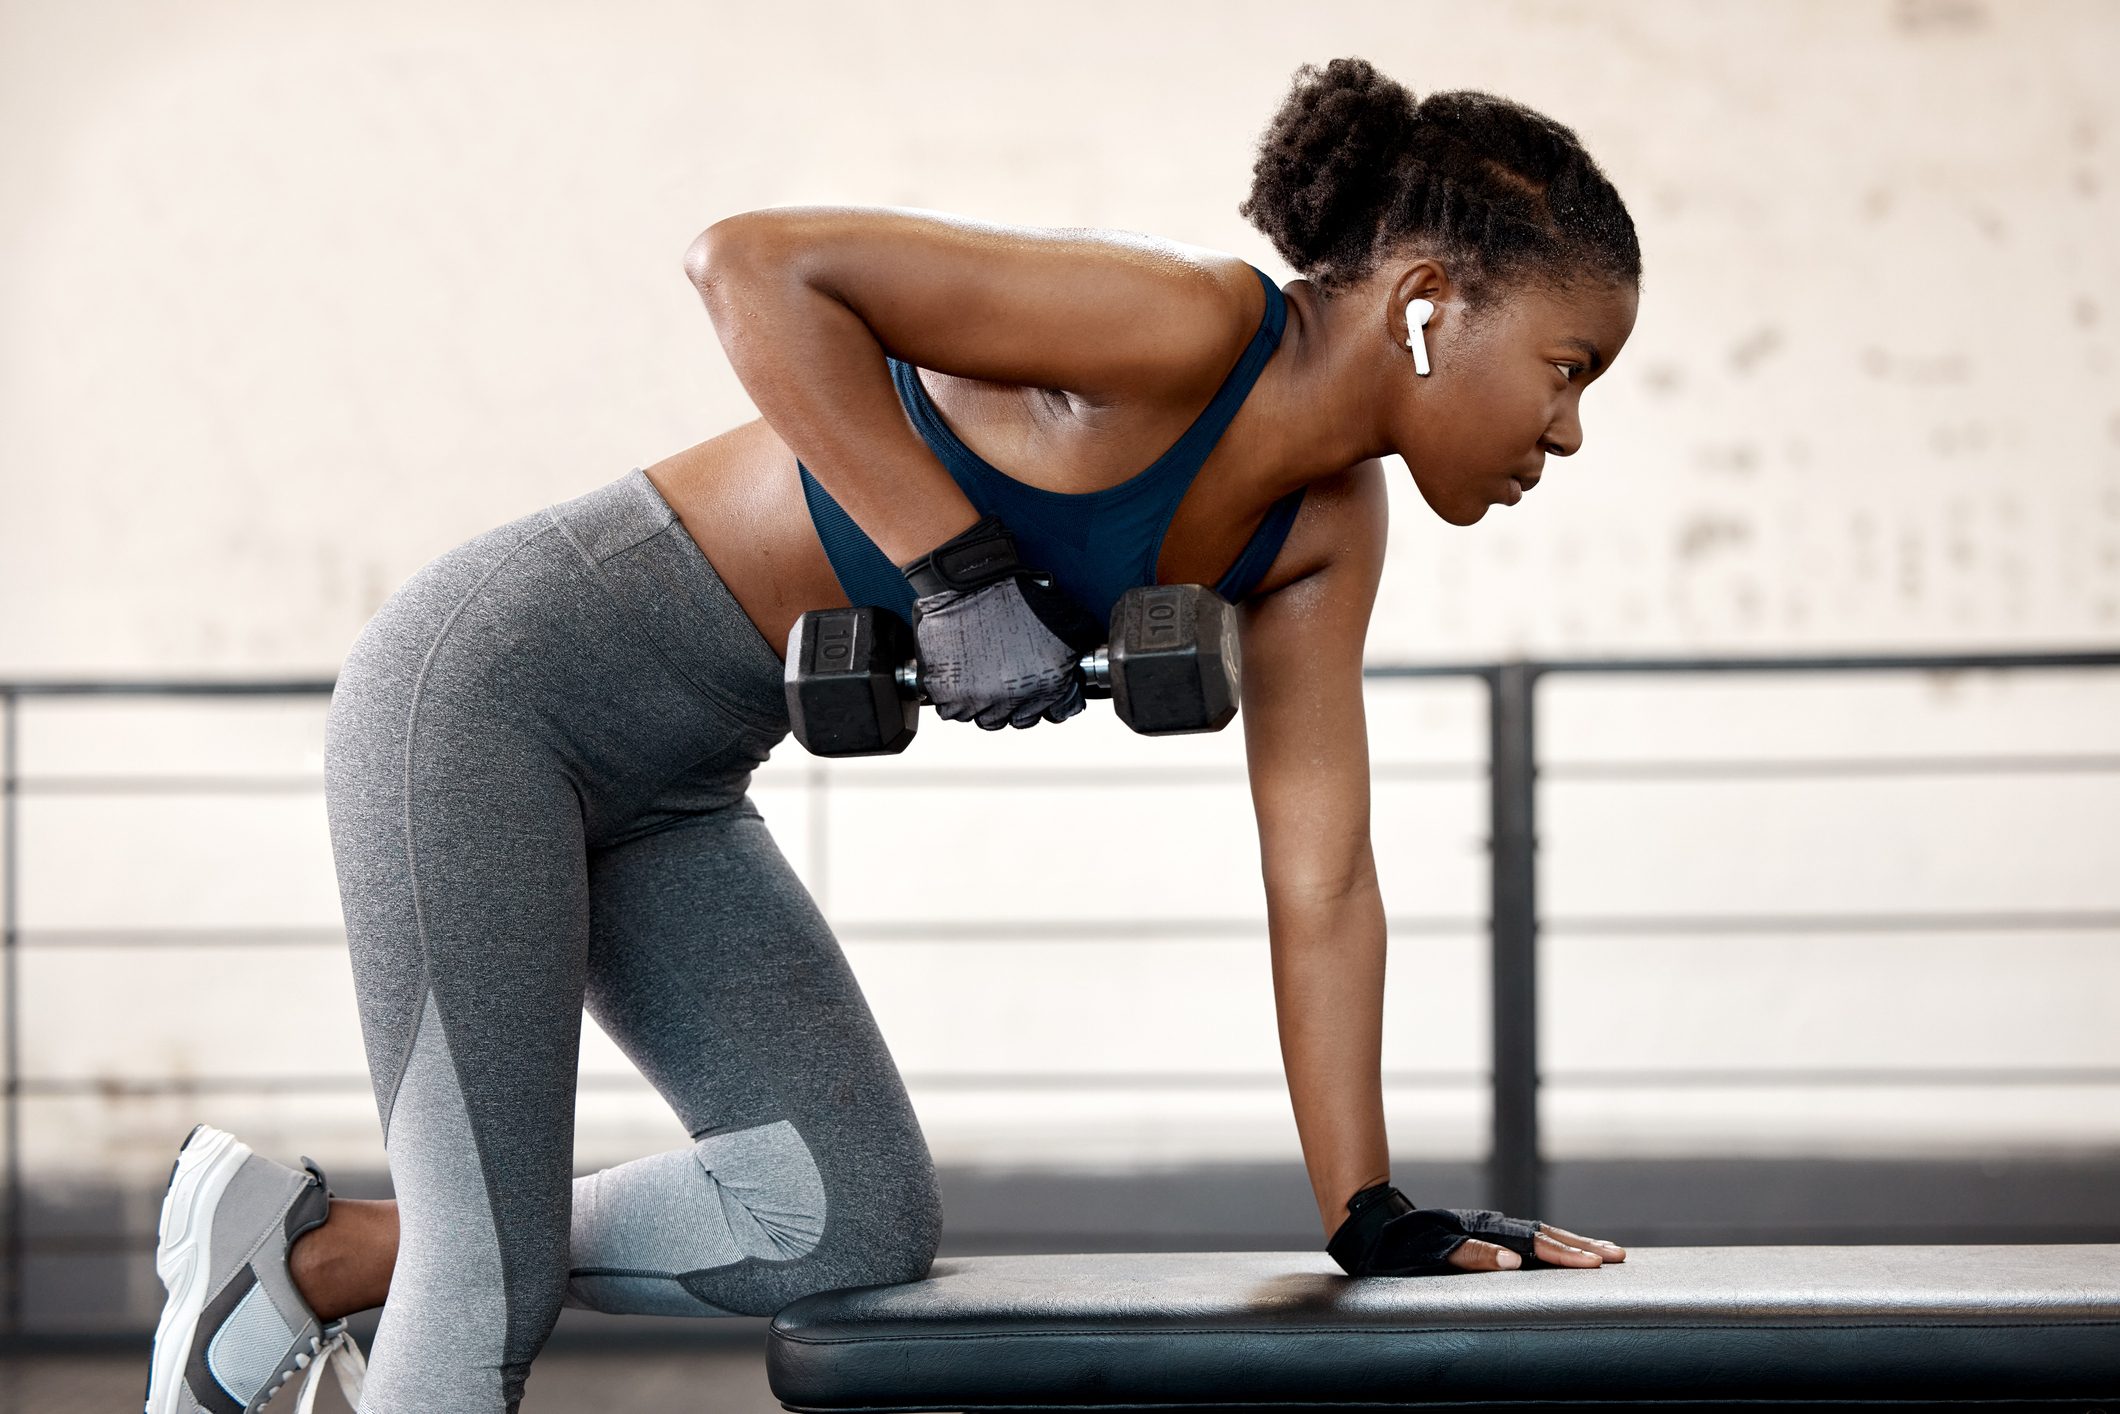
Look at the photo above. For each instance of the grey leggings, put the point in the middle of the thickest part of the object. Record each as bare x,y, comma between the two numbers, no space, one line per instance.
537,764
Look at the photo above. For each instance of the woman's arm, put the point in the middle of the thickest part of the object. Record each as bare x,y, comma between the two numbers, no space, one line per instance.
808,299
1307,751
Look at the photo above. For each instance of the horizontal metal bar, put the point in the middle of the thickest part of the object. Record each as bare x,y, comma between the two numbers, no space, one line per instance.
1161,1079
1004,930
170,687
1828,1077
1741,1077
172,785
135,1088
1827,663
1103,778
1804,663
1727,925
1430,670
128,1088
997,930
1806,767
201,937
983,930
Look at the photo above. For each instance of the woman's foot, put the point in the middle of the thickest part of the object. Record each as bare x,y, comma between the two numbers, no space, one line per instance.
235,1326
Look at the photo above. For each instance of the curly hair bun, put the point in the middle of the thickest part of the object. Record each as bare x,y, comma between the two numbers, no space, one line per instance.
1353,162
1323,173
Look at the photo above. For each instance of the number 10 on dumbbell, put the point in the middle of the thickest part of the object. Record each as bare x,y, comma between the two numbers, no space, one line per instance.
1170,666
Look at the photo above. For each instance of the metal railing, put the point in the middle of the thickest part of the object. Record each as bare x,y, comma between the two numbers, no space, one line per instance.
1515,1170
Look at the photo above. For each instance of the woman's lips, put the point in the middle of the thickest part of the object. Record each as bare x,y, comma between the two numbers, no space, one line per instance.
1516,492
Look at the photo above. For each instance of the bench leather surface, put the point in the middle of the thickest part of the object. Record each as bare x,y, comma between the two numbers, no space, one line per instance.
1671,1323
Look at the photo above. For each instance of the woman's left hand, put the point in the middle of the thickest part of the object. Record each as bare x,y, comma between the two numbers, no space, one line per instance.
1385,1234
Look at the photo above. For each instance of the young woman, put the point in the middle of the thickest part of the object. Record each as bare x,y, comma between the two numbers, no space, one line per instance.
539,749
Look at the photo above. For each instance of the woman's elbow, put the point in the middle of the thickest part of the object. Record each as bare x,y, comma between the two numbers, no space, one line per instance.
699,258
718,249
754,252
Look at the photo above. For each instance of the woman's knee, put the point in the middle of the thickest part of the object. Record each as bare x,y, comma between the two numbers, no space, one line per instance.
882,1213
901,1227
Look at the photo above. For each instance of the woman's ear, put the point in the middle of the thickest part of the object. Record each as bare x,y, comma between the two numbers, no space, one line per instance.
1418,294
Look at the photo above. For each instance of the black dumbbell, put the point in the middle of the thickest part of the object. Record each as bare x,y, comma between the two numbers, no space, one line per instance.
1170,666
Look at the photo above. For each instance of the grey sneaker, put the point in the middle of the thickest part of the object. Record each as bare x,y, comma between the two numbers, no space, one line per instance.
234,1328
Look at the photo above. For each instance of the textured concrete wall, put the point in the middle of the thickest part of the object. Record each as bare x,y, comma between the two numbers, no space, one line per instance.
296,298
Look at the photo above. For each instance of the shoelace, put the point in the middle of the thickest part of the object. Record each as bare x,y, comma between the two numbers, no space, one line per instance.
343,1354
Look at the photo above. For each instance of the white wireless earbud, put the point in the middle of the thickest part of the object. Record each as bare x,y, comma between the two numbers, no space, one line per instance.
1418,313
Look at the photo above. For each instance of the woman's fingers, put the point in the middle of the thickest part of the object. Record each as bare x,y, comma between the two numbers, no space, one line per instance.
1474,1255
1555,1245
1610,1251
1552,1246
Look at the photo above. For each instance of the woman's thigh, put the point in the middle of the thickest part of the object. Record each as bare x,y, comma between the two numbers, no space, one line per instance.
711,966
565,682
458,837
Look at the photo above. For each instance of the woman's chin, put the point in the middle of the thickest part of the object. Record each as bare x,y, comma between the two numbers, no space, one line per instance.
1470,514
1457,510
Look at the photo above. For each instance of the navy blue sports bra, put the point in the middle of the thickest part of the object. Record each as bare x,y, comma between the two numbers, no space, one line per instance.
1095,544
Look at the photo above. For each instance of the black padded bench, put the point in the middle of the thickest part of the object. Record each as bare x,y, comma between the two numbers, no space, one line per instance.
1891,1328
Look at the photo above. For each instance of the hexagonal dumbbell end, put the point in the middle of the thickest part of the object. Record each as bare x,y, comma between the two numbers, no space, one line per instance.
841,679
1174,665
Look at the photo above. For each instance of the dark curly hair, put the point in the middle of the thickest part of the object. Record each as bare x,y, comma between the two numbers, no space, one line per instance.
1354,165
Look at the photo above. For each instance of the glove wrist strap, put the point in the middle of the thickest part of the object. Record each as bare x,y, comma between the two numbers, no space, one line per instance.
1367,1212
974,557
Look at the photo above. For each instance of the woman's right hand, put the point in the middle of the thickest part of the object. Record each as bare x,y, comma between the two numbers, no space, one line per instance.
987,657
999,643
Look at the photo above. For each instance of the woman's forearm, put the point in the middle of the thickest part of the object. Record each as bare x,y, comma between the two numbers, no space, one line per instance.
816,373
1328,980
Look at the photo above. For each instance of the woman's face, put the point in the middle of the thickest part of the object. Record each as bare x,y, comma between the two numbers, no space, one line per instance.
1505,389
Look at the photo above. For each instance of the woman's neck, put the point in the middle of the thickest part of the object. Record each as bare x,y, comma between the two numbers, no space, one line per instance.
1312,411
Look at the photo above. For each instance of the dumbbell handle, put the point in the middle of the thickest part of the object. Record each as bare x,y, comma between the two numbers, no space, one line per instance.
1095,667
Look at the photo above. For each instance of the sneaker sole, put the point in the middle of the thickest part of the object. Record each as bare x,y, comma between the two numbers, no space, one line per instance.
208,1160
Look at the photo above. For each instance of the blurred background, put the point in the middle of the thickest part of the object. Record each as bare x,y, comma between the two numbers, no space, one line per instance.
295,299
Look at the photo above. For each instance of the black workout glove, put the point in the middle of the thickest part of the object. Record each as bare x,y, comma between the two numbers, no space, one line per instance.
998,641
1386,1236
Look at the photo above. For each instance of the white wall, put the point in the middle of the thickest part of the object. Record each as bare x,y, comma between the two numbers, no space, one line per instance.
294,299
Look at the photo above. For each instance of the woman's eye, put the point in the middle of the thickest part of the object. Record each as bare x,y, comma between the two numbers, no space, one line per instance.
1569,370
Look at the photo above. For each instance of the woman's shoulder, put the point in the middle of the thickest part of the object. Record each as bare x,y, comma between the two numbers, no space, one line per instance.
1340,526
1224,294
